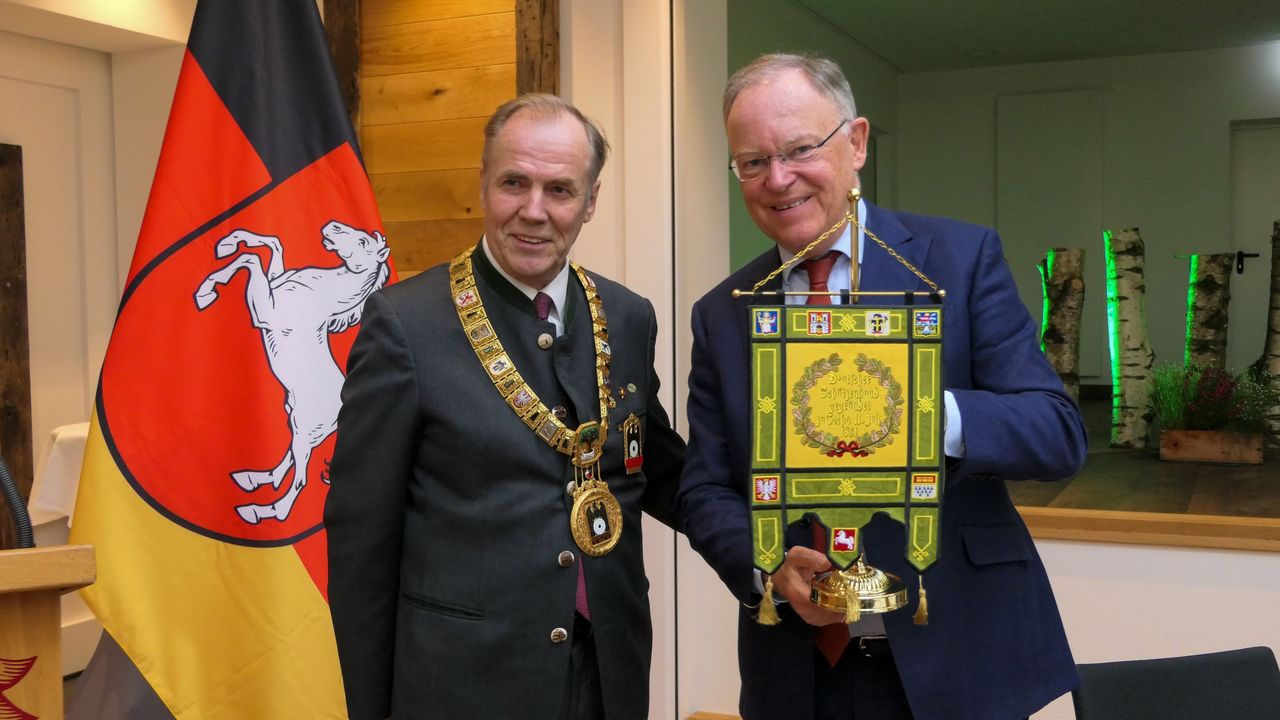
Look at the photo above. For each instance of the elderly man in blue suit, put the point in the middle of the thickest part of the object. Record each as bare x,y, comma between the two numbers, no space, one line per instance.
994,647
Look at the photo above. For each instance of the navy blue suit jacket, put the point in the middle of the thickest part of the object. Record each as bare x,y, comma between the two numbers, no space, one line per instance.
994,646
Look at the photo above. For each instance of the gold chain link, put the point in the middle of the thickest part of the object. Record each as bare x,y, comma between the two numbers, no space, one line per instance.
800,255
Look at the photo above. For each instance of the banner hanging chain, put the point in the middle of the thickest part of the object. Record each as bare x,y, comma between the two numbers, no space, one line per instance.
851,215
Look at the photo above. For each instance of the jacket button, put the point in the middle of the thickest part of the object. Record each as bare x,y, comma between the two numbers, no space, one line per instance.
559,635
565,559
560,412
545,340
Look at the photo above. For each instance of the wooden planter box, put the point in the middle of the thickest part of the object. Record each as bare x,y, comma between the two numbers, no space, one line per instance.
1211,446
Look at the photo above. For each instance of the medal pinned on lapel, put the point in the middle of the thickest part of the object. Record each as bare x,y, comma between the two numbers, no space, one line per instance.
632,447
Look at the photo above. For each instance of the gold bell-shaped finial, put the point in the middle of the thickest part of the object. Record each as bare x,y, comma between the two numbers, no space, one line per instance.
860,589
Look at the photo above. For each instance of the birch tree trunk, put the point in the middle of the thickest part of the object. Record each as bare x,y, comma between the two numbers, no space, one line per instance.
1131,356
1270,360
1062,285
1208,299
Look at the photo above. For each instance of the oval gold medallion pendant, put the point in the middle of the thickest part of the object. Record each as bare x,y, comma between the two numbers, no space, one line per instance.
596,519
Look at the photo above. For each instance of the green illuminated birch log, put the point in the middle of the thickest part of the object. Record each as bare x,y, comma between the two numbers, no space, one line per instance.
1208,299
1062,287
1131,356
1270,360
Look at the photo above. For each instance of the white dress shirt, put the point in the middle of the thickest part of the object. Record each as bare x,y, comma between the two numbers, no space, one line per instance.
557,288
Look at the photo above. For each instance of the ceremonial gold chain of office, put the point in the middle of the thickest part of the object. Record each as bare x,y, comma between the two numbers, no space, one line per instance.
502,371
595,520
851,215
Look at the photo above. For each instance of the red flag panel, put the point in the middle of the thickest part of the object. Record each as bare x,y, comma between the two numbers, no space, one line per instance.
206,165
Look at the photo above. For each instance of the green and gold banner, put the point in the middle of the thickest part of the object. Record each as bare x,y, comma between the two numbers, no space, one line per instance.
847,422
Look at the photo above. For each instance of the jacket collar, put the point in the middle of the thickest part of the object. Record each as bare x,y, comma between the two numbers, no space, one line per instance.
881,271
514,296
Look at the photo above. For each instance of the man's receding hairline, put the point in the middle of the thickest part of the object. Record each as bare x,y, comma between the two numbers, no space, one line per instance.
547,107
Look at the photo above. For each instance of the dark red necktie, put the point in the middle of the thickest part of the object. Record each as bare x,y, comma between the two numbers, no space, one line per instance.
542,306
819,271
831,639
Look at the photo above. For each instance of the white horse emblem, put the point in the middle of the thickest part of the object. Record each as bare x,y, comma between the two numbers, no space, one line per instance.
296,310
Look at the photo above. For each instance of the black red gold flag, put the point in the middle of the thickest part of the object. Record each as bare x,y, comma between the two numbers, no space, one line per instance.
205,471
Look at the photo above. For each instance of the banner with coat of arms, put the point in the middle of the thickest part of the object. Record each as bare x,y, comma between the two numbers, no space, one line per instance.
847,422
206,467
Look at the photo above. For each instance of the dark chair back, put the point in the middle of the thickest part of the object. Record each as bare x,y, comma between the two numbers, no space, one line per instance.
1236,684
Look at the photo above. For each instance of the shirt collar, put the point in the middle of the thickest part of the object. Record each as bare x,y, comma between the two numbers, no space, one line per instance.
843,244
557,288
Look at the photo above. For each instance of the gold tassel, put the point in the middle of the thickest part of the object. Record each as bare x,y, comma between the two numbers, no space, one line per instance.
768,614
922,610
852,608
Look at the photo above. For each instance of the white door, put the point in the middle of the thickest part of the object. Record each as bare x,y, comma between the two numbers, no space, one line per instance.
1255,207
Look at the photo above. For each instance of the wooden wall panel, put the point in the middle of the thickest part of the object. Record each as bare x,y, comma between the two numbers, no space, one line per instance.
538,46
431,73
410,147
437,95
439,45
423,243
430,195
342,29
380,13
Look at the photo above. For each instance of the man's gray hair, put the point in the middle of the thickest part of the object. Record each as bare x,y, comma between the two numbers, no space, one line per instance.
825,75
547,106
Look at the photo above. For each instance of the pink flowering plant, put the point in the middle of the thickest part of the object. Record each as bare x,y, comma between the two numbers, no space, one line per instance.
1205,397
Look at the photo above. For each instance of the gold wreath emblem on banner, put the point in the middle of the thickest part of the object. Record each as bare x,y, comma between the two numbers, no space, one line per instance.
828,443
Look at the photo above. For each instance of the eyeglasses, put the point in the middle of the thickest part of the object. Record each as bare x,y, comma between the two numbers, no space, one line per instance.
751,167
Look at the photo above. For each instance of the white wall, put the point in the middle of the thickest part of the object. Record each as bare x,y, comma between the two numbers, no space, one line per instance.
58,108
143,81
1165,169
85,89
64,130
622,80
1073,185
707,614
106,25
1126,602
90,125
